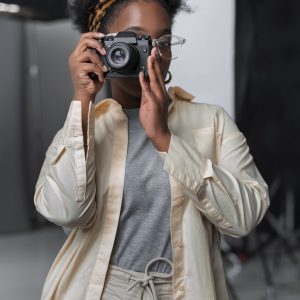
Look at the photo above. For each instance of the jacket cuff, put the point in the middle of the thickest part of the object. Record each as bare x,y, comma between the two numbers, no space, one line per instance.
72,129
73,139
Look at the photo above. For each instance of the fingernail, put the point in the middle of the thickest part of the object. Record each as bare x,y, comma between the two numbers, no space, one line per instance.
99,77
105,69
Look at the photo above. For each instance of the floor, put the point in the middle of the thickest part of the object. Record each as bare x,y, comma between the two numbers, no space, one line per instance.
249,281
25,259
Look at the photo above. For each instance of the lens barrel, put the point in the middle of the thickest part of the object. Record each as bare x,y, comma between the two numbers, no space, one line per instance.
122,57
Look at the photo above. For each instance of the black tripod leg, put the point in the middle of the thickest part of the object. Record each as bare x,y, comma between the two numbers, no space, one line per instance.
231,290
290,254
285,241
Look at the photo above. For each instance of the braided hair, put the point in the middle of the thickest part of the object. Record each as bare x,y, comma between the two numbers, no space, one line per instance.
97,15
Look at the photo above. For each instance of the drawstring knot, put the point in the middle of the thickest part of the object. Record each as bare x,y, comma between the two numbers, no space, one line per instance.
147,282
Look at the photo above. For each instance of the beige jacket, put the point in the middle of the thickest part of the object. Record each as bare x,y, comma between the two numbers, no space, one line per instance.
215,187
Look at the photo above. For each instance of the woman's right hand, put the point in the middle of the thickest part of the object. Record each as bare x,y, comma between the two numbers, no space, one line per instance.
84,60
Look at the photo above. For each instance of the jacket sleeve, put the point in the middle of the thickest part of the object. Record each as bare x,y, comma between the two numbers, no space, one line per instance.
65,190
231,194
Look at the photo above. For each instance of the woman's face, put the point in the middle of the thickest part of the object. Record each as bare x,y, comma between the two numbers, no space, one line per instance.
144,17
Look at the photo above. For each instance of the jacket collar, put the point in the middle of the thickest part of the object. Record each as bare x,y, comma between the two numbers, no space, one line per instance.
177,93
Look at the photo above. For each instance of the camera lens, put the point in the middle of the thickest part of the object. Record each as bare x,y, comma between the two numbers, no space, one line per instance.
122,57
118,56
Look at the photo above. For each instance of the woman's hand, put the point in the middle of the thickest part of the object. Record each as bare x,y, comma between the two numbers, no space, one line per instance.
82,61
154,104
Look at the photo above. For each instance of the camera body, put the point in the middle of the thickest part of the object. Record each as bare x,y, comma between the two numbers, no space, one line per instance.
126,54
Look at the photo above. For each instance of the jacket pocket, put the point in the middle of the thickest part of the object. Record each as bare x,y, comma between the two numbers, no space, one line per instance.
59,149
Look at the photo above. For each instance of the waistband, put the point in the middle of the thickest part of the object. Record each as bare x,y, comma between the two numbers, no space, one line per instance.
148,279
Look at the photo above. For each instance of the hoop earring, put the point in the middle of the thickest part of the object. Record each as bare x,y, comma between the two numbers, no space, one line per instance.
166,81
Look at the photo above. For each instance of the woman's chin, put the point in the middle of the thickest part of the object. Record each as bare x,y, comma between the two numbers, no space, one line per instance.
130,85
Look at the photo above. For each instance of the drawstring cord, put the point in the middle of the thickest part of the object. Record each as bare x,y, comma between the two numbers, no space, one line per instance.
147,282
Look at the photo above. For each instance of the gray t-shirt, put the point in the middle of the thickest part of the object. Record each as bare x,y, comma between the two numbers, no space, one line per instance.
144,228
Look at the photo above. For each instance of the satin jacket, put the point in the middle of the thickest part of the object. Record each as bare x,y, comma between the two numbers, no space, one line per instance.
215,188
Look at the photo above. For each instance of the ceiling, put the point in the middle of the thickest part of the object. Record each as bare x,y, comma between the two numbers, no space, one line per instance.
39,10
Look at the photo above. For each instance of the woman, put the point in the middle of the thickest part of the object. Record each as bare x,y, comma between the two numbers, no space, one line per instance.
146,179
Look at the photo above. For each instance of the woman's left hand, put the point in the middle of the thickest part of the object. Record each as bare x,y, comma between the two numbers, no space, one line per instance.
154,104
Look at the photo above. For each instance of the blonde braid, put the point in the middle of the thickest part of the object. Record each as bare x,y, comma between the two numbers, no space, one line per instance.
97,12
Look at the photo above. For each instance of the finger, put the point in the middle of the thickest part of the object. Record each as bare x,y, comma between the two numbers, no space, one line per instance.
153,78
157,66
159,72
145,85
86,68
90,56
87,43
92,34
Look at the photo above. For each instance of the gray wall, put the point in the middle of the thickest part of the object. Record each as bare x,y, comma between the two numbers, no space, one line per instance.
54,42
13,212
206,65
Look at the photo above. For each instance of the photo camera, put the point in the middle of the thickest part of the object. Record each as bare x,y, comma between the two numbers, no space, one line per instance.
126,54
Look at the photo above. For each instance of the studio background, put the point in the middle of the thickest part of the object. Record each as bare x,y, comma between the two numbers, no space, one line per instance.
242,55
